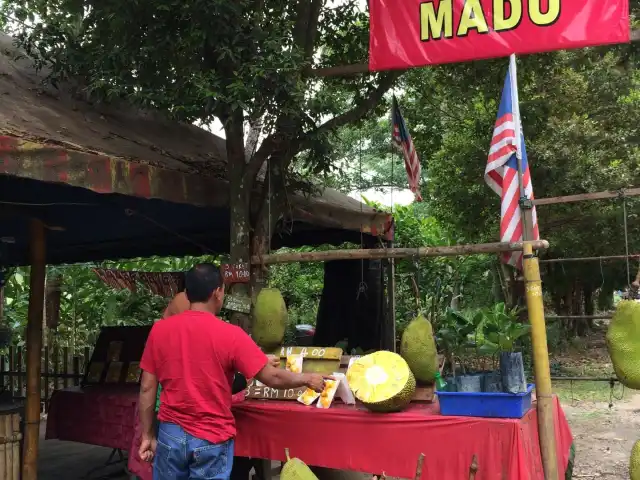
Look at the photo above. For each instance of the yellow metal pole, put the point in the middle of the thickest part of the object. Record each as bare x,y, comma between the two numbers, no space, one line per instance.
546,429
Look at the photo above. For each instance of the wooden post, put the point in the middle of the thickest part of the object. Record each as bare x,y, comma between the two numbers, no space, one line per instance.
390,331
34,350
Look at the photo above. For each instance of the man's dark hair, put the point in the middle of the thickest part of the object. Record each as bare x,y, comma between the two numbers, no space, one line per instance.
201,281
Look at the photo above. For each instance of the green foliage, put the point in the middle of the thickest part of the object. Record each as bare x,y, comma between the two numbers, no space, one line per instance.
499,330
452,336
87,304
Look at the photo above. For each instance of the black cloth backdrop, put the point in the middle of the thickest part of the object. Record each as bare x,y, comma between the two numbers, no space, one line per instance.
343,314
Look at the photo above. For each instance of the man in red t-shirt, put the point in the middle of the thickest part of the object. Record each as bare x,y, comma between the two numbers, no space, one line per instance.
194,356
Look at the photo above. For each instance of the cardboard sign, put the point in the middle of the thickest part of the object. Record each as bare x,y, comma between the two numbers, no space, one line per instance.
325,353
235,273
414,33
268,393
237,303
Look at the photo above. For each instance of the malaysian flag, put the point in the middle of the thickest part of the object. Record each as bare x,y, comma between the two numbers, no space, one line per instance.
402,139
501,174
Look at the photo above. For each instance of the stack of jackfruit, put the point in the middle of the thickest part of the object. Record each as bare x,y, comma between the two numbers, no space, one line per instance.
386,382
418,348
623,343
634,462
296,469
270,319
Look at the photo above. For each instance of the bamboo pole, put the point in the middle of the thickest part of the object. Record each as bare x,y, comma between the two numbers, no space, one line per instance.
585,379
535,306
589,259
632,192
363,68
580,317
378,253
34,350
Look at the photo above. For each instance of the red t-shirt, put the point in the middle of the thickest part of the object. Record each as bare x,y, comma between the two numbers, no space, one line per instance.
195,355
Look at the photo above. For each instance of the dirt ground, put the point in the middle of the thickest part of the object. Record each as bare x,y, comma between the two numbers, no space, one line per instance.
605,423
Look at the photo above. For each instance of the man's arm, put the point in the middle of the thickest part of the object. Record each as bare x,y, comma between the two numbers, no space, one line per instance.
250,361
147,402
280,378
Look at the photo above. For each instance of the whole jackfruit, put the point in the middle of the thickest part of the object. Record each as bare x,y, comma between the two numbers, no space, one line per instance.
634,462
418,348
623,343
296,469
269,318
382,381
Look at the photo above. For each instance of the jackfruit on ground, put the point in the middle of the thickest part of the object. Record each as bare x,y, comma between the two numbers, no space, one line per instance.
634,462
623,343
418,348
382,381
269,318
296,469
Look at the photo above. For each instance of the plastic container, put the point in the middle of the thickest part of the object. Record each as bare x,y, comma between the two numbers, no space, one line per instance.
492,382
469,383
489,405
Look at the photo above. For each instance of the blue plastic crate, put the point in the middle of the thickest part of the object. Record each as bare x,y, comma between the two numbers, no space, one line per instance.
480,404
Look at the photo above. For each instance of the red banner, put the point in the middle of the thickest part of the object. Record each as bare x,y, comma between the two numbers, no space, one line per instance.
413,33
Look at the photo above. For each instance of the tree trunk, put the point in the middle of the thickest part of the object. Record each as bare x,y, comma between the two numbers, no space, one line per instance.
589,309
239,208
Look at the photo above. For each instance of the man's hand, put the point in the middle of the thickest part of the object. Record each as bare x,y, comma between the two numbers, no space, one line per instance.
315,381
147,448
274,361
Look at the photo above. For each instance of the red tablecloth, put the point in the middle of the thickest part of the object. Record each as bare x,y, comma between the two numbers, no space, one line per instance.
341,437
104,416
349,438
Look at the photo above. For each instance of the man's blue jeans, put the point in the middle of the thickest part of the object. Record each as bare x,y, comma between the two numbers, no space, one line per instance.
180,456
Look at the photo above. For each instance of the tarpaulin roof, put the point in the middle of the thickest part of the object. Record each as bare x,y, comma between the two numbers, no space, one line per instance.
116,182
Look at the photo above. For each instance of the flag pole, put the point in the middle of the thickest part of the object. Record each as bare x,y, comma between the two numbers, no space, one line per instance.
535,308
525,203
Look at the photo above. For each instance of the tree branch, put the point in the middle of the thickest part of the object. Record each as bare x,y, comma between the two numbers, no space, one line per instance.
267,148
358,112
252,139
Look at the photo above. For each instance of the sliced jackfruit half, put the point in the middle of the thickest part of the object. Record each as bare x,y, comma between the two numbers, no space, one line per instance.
382,381
296,469
623,343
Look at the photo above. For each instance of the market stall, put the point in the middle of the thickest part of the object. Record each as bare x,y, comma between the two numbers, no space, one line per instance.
343,437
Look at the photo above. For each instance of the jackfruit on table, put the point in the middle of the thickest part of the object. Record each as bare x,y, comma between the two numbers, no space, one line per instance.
623,343
382,381
418,348
634,462
269,318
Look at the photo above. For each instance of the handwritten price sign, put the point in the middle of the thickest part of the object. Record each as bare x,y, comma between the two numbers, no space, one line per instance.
235,273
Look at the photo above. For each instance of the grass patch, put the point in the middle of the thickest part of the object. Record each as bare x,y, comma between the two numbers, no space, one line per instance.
586,391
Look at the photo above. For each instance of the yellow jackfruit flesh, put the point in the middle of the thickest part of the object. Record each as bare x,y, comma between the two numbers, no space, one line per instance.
382,381
623,343
418,348
296,469
634,462
269,318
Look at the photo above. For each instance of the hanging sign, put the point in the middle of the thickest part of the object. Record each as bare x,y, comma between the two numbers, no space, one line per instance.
237,303
235,273
413,33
